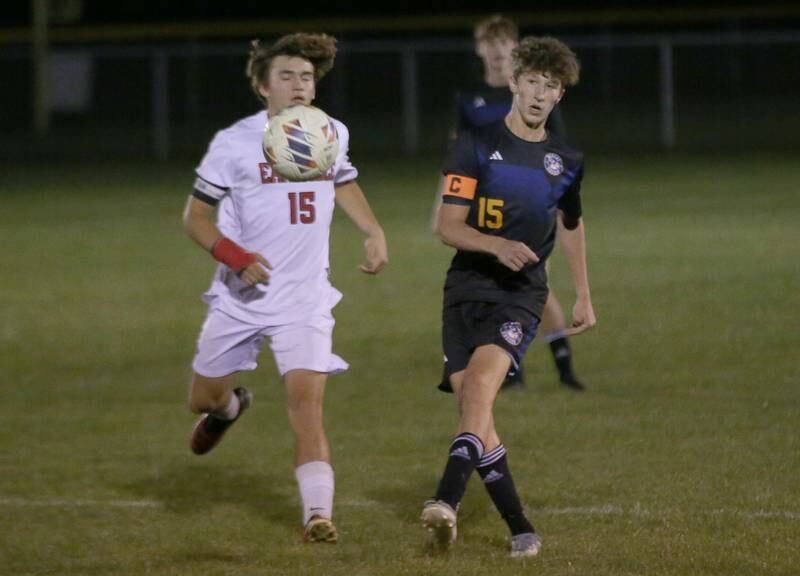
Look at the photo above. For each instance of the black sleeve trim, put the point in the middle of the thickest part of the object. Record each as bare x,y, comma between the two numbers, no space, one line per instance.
570,222
210,200
337,184
570,202
456,200
225,188
571,209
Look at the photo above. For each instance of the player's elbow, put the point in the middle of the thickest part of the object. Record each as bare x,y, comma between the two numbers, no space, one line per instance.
440,230
446,234
194,216
189,221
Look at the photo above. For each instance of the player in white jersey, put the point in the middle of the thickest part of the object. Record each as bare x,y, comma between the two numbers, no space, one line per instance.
271,239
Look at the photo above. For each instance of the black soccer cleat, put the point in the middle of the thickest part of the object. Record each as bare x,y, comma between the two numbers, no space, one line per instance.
513,381
209,429
569,381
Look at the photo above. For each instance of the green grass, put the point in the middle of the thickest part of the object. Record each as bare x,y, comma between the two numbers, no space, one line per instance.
682,458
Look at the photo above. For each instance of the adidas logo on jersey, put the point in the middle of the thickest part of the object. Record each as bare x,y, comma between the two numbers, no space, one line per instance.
495,155
460,452
492,476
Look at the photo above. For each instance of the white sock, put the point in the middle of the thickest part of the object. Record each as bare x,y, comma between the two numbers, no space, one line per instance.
315,480
231,410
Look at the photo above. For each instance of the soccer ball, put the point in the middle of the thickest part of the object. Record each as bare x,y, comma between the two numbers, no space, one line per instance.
301,143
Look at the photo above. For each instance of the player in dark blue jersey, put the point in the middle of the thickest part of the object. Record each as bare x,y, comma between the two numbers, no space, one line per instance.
506,188
490,100
486,103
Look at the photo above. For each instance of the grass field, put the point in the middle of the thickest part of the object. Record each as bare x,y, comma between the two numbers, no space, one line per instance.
682,458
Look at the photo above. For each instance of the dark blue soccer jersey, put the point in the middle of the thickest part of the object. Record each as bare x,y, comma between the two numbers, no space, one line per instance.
482,105
513,188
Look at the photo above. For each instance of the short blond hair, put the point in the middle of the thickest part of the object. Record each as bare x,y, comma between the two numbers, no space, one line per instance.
496,26
547,55
319,49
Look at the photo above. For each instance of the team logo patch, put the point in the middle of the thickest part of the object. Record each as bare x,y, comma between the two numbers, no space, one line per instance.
511,333
553,164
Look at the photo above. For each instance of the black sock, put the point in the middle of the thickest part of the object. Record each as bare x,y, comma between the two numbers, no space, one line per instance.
496,476
562,356
465,453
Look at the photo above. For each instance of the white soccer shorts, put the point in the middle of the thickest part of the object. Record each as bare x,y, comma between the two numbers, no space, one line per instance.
227,345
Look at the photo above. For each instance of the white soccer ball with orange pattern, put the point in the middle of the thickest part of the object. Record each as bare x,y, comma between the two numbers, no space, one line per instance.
301,143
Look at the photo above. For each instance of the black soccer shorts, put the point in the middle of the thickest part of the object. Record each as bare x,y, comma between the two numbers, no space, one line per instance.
467,325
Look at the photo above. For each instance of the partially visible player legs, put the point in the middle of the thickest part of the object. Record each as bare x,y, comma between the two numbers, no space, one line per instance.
496,475
515,380
305,391
478,387
553,326
220,405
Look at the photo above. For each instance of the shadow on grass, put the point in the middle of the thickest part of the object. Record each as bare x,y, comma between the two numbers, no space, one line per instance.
404,501
185,488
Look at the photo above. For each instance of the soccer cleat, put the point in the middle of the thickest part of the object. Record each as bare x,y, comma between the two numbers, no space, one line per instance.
209,429
525,545
514,381
320,529
439,518
569,381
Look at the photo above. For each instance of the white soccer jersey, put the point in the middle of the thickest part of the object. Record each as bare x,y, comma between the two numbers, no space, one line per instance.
286,222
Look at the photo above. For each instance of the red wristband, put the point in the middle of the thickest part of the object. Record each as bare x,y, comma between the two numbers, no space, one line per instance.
232,255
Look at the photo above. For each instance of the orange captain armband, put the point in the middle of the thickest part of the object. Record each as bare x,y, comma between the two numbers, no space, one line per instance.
459,186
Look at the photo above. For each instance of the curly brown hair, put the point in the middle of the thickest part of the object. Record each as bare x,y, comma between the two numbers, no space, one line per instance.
319,49
546,55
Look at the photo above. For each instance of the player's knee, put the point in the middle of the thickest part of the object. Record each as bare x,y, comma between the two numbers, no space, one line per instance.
304,399
476,393
478,384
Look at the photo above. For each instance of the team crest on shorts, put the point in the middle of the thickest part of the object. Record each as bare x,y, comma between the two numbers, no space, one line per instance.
553,164
511,333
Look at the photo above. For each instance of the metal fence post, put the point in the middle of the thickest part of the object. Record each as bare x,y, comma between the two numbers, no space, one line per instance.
666,93
410,101
41,69
160,105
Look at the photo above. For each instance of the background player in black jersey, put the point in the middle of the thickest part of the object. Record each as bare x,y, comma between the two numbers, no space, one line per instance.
490,101
505,187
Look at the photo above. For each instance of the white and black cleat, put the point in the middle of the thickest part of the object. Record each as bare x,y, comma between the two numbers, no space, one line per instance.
439,518
525,545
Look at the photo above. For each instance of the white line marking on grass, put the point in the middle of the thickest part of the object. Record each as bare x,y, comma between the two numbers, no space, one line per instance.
758,514
639,511
604,510
61,503
357,503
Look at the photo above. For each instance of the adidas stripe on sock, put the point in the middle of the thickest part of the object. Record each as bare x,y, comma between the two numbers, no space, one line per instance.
493,469
466,452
